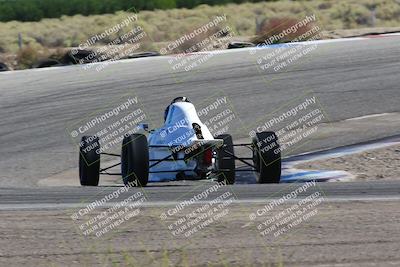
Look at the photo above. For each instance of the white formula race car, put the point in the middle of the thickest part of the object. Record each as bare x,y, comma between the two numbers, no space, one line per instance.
183,148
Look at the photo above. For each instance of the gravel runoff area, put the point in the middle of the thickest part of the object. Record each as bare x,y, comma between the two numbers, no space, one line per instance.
378,164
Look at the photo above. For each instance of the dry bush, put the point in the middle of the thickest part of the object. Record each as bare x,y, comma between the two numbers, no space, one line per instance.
276,26
198,43
27,56
58,53
325,5
31,54
389,11
350,15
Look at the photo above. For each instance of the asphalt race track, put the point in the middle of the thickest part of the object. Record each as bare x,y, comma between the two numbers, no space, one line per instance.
355,81
350,79
160,195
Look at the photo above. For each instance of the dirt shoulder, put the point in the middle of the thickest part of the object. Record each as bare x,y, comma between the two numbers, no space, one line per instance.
334,34
340,234
379,164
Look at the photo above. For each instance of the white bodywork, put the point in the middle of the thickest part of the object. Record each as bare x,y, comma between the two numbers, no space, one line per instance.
176,133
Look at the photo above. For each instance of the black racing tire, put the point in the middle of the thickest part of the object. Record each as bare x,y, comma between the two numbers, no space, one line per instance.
46,63
267,158
89,161
225,161
3,67
75,57
135,160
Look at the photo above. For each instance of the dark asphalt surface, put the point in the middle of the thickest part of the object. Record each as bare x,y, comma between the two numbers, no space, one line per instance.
350,79
159,194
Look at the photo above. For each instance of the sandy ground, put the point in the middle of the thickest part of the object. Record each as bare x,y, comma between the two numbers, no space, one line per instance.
345,33
370,165
368,236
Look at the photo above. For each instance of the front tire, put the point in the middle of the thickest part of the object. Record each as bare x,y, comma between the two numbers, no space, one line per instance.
267,158
89,161
135,160
225,160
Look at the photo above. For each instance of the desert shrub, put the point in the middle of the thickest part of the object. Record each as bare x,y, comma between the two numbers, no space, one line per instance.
196,44
244,26
27,56
276,26
168,25
351,15
325,5
389,10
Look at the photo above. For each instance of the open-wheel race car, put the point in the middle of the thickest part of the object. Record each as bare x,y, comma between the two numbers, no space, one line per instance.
183,148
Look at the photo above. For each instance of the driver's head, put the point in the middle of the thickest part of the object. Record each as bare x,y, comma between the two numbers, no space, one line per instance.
180,99
176,100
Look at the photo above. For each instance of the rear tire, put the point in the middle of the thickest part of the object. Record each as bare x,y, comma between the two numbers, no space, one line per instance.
89,161
135,160
267,158
225,161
